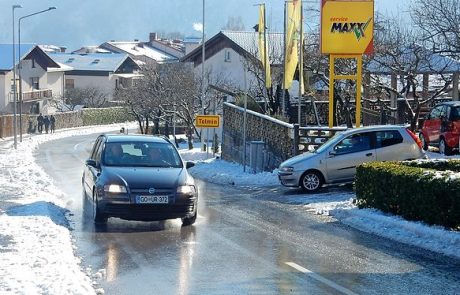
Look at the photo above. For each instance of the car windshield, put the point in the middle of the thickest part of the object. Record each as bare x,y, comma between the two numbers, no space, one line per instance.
141,154
328,143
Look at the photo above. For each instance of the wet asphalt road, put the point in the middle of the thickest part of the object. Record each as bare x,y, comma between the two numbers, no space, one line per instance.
245,241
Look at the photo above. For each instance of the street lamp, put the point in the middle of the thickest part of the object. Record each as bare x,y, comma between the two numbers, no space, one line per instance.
202,81
14,83
19,68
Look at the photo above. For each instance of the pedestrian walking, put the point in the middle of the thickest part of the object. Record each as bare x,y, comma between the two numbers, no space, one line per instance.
46,122
40,123
30,125
52,123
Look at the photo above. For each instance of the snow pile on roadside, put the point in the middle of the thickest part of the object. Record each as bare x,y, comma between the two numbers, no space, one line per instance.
36,252
434,238
222,172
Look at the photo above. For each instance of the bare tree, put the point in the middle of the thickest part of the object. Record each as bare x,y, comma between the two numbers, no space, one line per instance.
400,52
439,23
91,97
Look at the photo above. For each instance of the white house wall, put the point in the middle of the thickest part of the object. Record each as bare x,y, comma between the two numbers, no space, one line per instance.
55,83
230,69
226,65
104,83
27,72
4,91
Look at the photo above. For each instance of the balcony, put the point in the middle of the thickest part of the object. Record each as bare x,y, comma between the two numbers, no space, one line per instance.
37,95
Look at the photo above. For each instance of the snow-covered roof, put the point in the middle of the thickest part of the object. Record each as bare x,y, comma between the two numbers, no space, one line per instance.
249,41
91,62
140,49
91,49
62,68
52,48
243,42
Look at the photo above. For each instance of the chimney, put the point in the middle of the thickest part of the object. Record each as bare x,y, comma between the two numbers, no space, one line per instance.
153,37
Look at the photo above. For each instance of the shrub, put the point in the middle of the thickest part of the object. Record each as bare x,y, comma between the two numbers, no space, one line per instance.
105,116
413,190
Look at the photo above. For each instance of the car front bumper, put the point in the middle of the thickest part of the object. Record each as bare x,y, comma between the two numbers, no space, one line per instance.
289,179
179,206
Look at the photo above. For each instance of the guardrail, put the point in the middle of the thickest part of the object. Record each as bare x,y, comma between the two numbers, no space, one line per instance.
311,137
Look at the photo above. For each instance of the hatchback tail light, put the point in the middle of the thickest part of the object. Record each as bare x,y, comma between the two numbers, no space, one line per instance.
415,138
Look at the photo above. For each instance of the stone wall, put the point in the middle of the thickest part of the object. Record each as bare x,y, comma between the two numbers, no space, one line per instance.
85,117
276,135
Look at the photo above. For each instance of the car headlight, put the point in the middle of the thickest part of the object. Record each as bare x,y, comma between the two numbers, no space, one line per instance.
186,189
114,188
287,169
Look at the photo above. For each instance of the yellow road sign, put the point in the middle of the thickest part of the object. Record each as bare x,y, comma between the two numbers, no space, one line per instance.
207,121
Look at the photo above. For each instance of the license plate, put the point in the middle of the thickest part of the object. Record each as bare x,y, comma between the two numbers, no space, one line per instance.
152,199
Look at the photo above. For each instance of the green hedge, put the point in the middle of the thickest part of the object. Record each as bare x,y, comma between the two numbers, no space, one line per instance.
105,116
413,190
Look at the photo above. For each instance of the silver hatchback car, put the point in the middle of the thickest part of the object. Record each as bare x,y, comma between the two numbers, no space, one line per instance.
336,160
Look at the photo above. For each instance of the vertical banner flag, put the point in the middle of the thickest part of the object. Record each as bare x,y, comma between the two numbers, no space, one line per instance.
263,46
292,37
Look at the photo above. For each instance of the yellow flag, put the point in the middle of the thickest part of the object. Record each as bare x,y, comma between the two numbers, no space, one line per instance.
263,47
292,36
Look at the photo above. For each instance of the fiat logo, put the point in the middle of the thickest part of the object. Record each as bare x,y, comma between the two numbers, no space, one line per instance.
151,191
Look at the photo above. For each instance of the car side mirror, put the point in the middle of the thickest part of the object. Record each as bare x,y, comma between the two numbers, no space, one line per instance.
332,153
189,165
92,163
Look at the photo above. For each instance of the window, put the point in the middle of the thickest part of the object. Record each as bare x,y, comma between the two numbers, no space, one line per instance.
33,63
69,83
436,112
354,143
388,138
34,82
455,114
227,56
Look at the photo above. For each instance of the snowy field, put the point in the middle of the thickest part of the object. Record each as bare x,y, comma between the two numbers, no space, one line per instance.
36,247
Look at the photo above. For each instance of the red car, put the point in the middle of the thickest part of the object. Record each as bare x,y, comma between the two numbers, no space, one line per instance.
441,128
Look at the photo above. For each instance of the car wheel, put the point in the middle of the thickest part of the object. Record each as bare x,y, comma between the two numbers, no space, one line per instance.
424,143
97,215
189,220
311,181
444,148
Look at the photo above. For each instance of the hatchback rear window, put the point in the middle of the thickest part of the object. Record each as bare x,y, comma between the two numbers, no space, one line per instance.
388,138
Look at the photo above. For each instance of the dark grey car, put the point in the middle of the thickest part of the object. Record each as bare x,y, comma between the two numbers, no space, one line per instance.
139,177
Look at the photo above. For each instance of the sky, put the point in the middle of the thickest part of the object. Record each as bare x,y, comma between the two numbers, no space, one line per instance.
92,22
36,243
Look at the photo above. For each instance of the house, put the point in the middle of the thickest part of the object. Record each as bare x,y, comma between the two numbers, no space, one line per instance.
41,78
227,54
103,71
155,51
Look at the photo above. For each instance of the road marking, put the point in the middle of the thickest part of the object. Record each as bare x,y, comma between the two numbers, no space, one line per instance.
320,278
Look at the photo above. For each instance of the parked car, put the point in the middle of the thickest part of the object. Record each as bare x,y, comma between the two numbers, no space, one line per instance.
139,177
441,127
336,160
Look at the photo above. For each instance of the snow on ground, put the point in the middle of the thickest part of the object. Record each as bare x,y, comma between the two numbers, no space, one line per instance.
36,247
339,206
